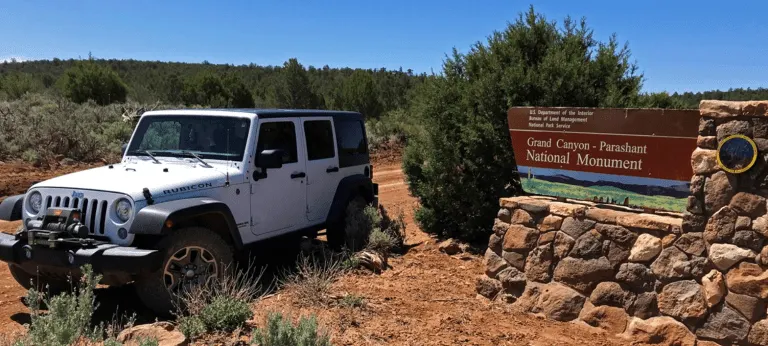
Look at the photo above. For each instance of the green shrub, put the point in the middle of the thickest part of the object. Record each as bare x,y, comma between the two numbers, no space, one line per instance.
191,326
223,304
460,161
90,81
16,85
352,301
149,342
68,317
279,331
48,128
380,241
225,313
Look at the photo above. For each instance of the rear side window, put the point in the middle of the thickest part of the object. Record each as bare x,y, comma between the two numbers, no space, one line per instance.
353,148
319,136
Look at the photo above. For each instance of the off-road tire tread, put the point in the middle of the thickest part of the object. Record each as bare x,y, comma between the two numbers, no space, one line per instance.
151,288
336,234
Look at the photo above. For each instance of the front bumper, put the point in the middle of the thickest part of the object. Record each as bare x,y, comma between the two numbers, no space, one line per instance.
106,259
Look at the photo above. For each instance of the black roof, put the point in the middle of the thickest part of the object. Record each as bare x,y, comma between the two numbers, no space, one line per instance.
285,113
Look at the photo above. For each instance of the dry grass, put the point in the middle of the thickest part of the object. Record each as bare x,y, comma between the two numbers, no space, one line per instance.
313,277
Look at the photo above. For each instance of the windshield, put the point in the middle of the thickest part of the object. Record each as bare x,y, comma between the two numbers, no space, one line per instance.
209,137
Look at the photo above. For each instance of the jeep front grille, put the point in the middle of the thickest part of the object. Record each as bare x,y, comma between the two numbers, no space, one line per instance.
94,212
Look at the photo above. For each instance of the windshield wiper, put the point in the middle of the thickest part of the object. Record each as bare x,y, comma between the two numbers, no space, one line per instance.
148,153
197,157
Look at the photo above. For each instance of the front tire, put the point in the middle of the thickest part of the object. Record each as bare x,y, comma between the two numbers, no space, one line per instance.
192,256
40,282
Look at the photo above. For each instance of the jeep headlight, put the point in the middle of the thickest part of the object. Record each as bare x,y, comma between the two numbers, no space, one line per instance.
123,209
35,201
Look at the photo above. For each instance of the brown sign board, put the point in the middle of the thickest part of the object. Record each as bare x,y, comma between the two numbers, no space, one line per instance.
635,157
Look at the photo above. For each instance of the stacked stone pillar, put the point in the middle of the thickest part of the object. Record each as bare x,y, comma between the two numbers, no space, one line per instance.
673,278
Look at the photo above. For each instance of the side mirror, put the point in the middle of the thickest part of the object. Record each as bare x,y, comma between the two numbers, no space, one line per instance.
272,158
124,147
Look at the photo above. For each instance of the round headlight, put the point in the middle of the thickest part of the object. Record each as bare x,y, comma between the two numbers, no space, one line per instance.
123,210
35,201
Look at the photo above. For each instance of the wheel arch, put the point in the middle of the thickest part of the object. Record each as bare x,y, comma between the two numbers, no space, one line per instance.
10,208
163,218
349,187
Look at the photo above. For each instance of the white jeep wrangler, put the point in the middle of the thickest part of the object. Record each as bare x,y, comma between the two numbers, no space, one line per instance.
194,187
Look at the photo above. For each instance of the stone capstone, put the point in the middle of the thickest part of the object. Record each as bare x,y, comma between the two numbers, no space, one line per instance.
583,274
714,287
724,325
721,226
646,248
724,256
604,215
691,243
749,279
718,190
683,300
520,238
539,263
575,227
533,206
566,209
728,109
651,222
660,330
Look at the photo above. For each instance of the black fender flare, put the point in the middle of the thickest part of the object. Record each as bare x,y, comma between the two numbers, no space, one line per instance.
10,208
348,187
153,219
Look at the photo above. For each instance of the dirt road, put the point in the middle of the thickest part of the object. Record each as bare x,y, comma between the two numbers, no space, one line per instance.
425,298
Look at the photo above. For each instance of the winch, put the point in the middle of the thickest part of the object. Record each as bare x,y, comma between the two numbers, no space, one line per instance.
59,226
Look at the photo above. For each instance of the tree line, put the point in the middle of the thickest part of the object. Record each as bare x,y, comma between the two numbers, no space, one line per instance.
292,85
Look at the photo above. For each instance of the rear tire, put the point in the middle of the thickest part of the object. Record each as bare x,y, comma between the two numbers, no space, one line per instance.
338,234
191,256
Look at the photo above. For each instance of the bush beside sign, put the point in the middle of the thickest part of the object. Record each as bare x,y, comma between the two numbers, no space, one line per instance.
633,157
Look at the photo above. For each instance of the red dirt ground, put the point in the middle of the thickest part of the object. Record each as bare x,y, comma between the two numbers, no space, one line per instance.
425,298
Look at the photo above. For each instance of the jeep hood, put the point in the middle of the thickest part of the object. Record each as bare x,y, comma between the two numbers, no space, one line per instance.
131,179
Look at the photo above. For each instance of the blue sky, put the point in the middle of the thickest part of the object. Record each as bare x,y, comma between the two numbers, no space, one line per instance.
679,45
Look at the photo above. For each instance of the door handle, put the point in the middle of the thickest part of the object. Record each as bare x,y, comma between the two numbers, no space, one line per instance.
332,169
298,175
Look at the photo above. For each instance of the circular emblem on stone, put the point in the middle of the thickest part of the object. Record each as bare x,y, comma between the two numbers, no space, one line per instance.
736,153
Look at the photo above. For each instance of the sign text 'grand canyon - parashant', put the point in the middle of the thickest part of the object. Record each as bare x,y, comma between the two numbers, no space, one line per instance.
633,157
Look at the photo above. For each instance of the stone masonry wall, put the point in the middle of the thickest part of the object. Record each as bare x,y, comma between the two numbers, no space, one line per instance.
658,278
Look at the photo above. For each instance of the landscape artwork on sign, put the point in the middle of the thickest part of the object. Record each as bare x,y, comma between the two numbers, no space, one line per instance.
633,157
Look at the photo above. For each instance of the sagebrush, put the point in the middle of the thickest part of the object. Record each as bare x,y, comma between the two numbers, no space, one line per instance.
280,331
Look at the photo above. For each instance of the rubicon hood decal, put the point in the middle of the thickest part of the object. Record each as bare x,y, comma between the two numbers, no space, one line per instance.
187,188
